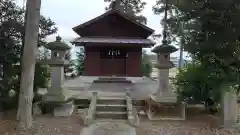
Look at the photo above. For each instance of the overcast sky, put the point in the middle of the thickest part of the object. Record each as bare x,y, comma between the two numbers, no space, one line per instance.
70,13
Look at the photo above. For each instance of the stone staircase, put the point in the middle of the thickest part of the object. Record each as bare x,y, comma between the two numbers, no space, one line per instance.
111,108
112,80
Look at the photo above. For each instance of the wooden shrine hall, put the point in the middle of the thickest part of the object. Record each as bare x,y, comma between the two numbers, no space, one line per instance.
113,44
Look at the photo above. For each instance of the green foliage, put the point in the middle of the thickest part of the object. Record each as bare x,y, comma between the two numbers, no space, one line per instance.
12,29
131,7
79,65
146,65
196,84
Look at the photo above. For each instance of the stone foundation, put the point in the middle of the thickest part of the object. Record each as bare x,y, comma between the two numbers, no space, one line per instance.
64,110
166,111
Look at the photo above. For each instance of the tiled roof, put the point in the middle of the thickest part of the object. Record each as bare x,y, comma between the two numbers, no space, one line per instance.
113,40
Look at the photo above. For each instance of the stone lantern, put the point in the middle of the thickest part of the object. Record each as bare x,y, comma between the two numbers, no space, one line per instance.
164,93
56,62
163,104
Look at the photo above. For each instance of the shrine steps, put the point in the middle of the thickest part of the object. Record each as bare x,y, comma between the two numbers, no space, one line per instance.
111,115
118,104
112,80
111,108
115,104
111,101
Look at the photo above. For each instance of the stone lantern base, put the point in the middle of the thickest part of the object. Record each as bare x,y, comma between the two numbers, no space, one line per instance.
54,96
166,108
62,105
163,99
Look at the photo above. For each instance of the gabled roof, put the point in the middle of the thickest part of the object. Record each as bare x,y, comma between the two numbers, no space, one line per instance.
113,11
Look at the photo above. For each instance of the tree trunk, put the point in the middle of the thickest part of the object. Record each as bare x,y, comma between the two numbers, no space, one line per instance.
21,56
28,64
180,65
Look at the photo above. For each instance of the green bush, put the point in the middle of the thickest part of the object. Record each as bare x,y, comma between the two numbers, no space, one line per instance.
195,84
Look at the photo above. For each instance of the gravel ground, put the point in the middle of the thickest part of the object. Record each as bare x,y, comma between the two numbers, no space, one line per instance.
200,125
175,128
47,125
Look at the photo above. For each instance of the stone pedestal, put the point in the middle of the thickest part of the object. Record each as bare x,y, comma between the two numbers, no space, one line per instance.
64,110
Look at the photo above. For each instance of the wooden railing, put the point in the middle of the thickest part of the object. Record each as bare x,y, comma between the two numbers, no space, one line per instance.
91,112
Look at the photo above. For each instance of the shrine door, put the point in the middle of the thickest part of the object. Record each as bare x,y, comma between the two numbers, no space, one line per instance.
113,61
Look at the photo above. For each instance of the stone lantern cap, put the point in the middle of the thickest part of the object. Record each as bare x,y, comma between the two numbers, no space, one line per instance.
164,49
58,45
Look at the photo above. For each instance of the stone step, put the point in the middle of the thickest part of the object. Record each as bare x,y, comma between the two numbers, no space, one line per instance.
112,78
111,115
111,108
112,101
112,81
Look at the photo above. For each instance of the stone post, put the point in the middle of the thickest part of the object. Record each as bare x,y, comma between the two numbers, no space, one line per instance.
163,82
57,78
230,109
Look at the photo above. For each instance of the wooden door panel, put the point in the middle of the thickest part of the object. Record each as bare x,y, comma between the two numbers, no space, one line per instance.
106,67
119,67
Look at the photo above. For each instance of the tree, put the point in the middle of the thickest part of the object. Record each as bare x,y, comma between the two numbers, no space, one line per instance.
211,37
79,65
10,39
28,63
131,7
68,68
146,65
12,33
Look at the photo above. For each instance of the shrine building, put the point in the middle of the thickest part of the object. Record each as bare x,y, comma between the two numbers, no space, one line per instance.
113,44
